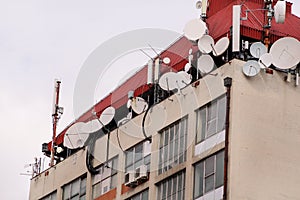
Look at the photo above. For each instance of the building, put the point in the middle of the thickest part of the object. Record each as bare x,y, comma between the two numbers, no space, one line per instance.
224,136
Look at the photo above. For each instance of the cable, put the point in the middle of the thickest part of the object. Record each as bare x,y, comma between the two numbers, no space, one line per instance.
119,140
89,157
143,124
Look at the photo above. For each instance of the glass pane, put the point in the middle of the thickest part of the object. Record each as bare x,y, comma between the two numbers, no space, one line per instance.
174,186
202,125
96,190
221,114
209,165
172,133
209,183
83,186
138,152
198,181
211,127
129,157
66,192
166,139
212,111
164,190
75,187
147,160
171,147
220,169
75,197
145,195
169,187
82,197
113,182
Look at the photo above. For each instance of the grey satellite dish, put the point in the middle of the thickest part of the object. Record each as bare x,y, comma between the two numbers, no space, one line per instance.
92,126
205,63
139,105
198,4
251,68
168,81
206,43
195,29
285,53
75,137
166,60
265,60
107,115
280,12
183,79
221,46
257,49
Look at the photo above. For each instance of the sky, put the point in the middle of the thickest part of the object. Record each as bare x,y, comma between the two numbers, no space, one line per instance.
43,40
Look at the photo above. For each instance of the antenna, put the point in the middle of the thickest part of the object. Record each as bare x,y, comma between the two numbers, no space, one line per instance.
204,9
56,113
251,68
285,53
236,14
280,12
205,64
150,72
257,49
195,29
205,44
221,46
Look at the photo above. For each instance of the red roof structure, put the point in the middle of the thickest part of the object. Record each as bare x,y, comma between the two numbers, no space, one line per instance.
219,22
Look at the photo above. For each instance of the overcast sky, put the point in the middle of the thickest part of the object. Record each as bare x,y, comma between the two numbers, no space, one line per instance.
42,40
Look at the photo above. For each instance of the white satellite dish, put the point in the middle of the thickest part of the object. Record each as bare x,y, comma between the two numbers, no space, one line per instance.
257,49
280,12
198,4
129,103
265,60
206,43
168,81
205,63
187,67
92,126
107,115
251,68
195,29
75,137
285,53
183,79
139,105
221,46
166,60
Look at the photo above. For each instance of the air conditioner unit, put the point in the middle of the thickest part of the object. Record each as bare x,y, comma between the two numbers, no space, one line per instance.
130,180
141,173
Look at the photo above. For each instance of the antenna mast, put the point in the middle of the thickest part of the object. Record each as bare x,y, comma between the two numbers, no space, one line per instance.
56,113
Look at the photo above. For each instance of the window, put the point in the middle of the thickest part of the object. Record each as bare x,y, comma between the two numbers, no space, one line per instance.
172,188
51,196
209,174
75,190
211,118
137,156
106,179
172,148
140,196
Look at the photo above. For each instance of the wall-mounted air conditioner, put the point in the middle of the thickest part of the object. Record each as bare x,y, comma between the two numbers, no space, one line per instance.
141,173
130,180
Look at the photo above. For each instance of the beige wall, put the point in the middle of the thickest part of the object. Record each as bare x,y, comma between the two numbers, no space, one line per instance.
264,133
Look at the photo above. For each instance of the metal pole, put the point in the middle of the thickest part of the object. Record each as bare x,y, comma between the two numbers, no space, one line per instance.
227,84
54,120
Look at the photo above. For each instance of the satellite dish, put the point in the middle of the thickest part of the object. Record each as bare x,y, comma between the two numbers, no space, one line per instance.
280,12
195,29
206,43
92,126
265,60
285,53
129,103
139,105
107,115
221,46
257,49
75,137
168,81
166,60
183,79
187,67
198,4
251,68
205,63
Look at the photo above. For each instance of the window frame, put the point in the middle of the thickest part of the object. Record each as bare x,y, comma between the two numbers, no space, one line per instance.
203,176
81,179
140,195
50,196
167,149
103,169
202,132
